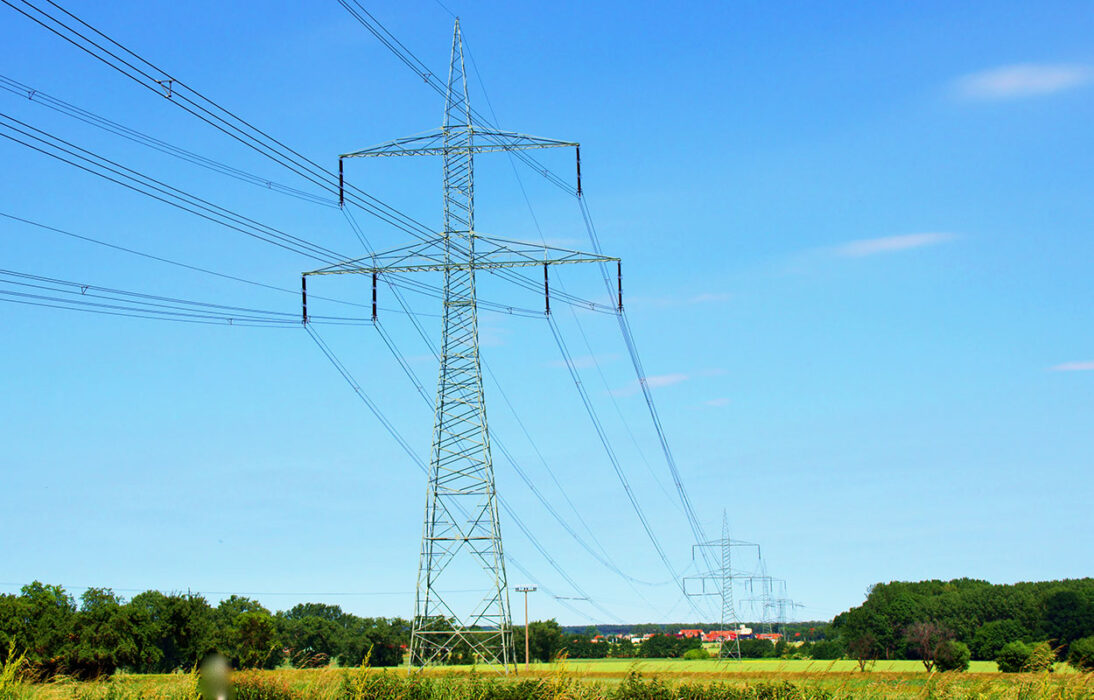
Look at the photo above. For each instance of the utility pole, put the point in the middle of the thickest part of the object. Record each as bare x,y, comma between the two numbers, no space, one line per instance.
527,646
461,538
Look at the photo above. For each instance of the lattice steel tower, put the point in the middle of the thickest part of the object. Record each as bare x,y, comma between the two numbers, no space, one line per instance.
722,578
461,538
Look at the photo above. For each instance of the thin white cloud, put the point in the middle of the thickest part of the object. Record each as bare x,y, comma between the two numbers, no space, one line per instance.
660,380
654,382
890,244
1074,367
709,297
717,403
1023,80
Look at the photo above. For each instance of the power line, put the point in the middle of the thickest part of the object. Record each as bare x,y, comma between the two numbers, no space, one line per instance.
620,473
160,82
124,302
577,321
539,229
50,145
40,98
603,558
414,457
187,266
408,58
192,101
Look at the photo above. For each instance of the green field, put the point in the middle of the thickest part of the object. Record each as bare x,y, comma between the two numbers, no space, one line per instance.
608,668
612,679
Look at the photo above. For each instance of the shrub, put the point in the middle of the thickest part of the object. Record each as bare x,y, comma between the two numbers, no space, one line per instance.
1081,656
990,638
696,654
757,649
952,656
1041,658
1012,657
826,650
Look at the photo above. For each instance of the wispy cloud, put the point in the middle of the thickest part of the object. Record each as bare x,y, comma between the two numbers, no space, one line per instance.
890,244
710,297
1023,80
654,382
717,403
659,380
1074,367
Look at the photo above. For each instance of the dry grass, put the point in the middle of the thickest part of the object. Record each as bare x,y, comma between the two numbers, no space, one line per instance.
576,681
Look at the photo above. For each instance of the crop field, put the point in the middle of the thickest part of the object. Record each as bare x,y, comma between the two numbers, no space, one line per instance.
614,679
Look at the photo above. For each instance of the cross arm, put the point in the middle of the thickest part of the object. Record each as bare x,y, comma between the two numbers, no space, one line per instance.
432,143
473,253
489,254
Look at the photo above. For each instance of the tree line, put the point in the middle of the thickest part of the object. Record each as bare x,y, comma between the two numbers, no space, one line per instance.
158,632
944,624
1015,625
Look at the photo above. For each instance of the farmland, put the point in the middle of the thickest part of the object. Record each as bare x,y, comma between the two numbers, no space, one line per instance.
616,679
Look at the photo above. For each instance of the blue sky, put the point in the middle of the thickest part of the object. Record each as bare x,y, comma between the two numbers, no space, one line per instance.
857,263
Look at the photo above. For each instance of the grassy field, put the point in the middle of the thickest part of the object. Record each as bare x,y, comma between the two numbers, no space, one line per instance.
618,668
612,679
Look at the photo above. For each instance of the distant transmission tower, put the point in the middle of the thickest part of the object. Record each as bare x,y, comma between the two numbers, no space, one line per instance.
722,579
461,538
773,608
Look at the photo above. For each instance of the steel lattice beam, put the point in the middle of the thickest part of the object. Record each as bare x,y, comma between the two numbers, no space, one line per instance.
461,528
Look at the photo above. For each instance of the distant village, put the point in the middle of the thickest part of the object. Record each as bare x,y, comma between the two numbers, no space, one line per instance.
713,636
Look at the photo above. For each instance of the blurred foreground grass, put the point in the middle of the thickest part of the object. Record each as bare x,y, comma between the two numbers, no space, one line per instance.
591,680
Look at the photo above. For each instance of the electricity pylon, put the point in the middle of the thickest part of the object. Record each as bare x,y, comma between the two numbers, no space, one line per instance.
773,610
461,538
722,578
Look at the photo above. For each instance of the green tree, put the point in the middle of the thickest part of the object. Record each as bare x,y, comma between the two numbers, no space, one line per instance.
12,617
181,627
1081,655
993,636
108,635
1012,657
1068,615
333,613
580,646
45,627
233,606
622,649
926,639
381,641
826,650
251,641
312,641
544,639
1041,658
863,648
659,646
757,649
952,655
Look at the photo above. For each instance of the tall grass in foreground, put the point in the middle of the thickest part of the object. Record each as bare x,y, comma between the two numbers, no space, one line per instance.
561,684
12,672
